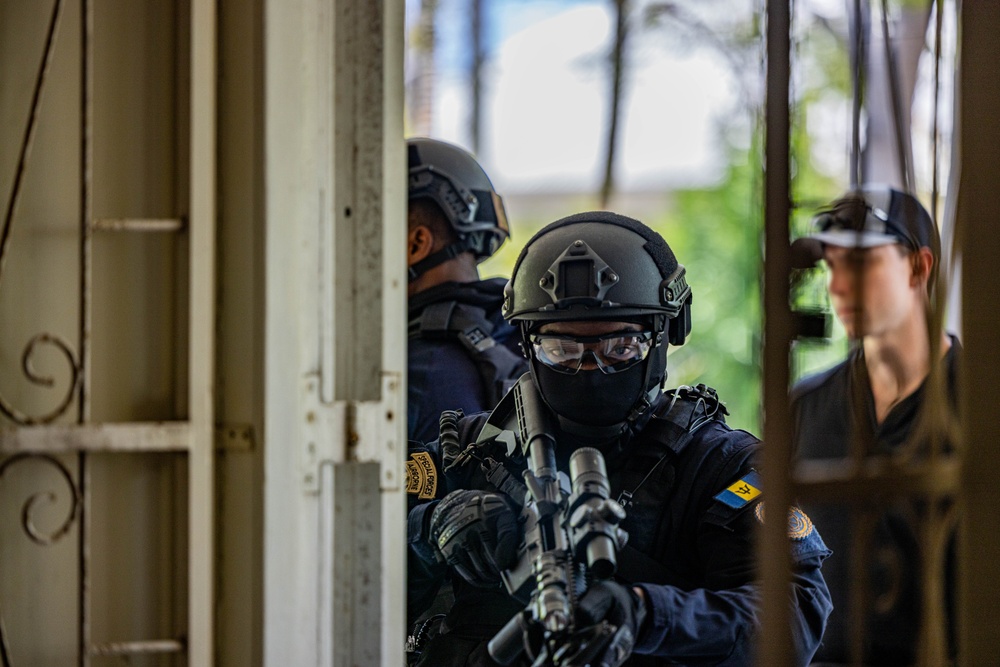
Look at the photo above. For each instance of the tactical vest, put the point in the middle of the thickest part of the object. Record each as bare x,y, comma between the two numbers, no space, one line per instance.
498,366
647,479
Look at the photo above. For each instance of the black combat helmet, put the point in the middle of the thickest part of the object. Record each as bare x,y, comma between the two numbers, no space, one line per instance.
453,179
600,266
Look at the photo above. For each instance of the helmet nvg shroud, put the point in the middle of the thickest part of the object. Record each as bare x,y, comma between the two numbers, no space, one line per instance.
451,178
600,266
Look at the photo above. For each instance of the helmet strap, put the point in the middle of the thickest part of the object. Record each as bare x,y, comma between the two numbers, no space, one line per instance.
440,257
648,395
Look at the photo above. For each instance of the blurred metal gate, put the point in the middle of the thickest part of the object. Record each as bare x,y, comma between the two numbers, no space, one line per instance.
955,488
65,439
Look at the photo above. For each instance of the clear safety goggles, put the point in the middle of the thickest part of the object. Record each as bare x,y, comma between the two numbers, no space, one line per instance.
611,353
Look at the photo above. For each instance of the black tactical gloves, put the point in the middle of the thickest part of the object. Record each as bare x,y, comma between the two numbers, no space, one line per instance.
477,533
618,605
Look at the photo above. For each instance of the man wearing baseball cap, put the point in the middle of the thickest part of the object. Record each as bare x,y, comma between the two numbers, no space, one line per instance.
882,250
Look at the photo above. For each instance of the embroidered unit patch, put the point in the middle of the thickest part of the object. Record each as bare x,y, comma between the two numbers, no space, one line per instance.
800,526
741,492
421,476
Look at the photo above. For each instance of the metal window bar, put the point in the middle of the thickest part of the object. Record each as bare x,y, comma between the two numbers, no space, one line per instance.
33,437
776,645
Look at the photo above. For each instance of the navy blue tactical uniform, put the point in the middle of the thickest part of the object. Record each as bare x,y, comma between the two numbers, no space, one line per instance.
690,545
461,355
831,409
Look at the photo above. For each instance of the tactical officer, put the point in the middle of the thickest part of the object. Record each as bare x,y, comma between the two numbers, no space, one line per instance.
597,297
882,251
461,352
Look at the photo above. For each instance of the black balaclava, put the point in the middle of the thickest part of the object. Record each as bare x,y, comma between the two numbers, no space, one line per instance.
591,398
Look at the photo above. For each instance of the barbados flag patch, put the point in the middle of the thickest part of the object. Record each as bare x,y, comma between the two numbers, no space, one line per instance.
741,492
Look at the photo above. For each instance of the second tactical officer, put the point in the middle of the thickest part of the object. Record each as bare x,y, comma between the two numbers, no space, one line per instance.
597,297
461,352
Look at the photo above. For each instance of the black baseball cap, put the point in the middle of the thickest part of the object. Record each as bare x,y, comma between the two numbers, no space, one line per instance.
876,215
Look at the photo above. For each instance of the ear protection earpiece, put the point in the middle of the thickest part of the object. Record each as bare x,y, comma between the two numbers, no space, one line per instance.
675,294
679,327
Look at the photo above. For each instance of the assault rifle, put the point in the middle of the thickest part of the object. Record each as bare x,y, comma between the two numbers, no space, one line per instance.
569,538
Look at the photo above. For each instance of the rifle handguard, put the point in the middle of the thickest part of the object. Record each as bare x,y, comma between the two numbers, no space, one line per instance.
558,533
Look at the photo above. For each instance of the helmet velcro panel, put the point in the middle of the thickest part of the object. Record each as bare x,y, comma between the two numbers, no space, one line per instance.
657,248
597,265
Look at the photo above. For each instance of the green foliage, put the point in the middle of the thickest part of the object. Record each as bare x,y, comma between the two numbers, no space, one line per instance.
812,190
715,233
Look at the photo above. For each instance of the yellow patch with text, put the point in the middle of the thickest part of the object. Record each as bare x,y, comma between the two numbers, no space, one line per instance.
421,476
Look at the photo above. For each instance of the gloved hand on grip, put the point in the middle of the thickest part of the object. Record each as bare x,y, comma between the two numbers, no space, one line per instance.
619,606
476,533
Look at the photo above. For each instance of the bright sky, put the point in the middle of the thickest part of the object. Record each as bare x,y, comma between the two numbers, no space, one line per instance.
546,96
547,101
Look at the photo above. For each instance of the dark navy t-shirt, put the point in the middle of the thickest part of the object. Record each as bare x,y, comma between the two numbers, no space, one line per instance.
831,409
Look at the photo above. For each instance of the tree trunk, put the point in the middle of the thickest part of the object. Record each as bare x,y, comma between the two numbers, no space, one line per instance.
475,76
617,74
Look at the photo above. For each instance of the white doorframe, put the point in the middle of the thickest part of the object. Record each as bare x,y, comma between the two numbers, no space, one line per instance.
334,405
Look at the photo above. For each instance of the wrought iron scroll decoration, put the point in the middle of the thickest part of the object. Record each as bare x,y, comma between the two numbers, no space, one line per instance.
36,535
60,344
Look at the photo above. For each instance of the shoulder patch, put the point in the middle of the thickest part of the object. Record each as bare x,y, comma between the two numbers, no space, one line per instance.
800,526
421,476
741,492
